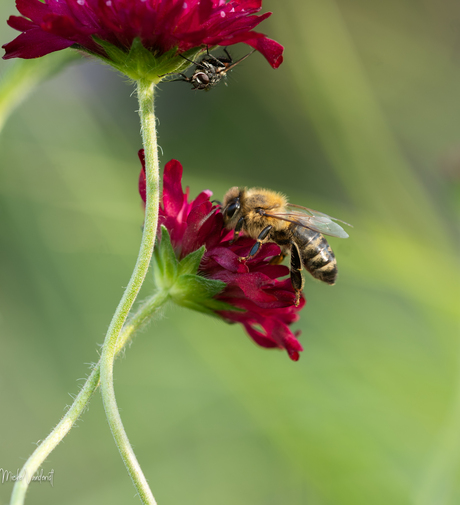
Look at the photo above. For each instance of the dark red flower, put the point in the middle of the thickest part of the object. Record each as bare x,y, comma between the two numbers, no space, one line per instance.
161,25
267,303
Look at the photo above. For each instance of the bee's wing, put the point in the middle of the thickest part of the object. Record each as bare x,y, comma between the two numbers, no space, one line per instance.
314,220
312,212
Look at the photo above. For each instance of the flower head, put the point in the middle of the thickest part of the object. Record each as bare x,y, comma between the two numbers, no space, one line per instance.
252,294
111,29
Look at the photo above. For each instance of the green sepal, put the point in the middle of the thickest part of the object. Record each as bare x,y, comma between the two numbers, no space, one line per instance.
191,263
116,56
172,62
164,262
196,288
191,54
197,293
189,304
140,63
178,280
211,307
218,305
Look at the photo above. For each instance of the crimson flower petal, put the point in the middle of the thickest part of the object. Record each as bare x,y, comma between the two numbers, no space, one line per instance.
172,189
161,25
34,43
264,302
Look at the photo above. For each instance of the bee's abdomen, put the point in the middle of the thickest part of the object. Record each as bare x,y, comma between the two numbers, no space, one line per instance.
317,256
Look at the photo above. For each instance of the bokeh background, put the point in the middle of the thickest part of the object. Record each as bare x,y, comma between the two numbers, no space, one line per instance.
362,121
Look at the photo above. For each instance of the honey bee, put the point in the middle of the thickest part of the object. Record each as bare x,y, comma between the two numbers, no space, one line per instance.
268,217
210,70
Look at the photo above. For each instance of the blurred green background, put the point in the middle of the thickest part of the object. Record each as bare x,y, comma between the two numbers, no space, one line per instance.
362,121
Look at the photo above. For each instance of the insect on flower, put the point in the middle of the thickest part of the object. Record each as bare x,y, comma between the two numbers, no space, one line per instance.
141,38
209,71
259,292
267,216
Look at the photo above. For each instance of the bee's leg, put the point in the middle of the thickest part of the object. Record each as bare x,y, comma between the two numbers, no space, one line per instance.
297,280
255,248
277,260
238,227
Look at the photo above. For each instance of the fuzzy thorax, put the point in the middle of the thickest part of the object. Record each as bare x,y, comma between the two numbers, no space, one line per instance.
250,202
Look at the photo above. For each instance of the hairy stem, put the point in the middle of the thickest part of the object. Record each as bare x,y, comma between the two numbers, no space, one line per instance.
145,90
34,462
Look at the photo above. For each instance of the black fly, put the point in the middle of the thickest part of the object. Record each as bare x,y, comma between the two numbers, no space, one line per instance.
209,71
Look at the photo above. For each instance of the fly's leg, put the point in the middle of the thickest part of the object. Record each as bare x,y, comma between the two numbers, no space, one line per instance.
184,77
228,55
198,64
218,62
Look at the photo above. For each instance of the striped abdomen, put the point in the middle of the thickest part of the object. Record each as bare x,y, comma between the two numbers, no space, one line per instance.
317,256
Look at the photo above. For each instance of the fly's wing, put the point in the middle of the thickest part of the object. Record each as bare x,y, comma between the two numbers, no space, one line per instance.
312,219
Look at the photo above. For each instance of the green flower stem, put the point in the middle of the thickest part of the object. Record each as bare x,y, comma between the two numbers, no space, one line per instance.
81,401
145,90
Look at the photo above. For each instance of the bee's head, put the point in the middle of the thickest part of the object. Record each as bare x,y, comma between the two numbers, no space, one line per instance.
231,207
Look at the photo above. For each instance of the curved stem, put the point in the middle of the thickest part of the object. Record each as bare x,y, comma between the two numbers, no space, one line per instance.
81,401
145,91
